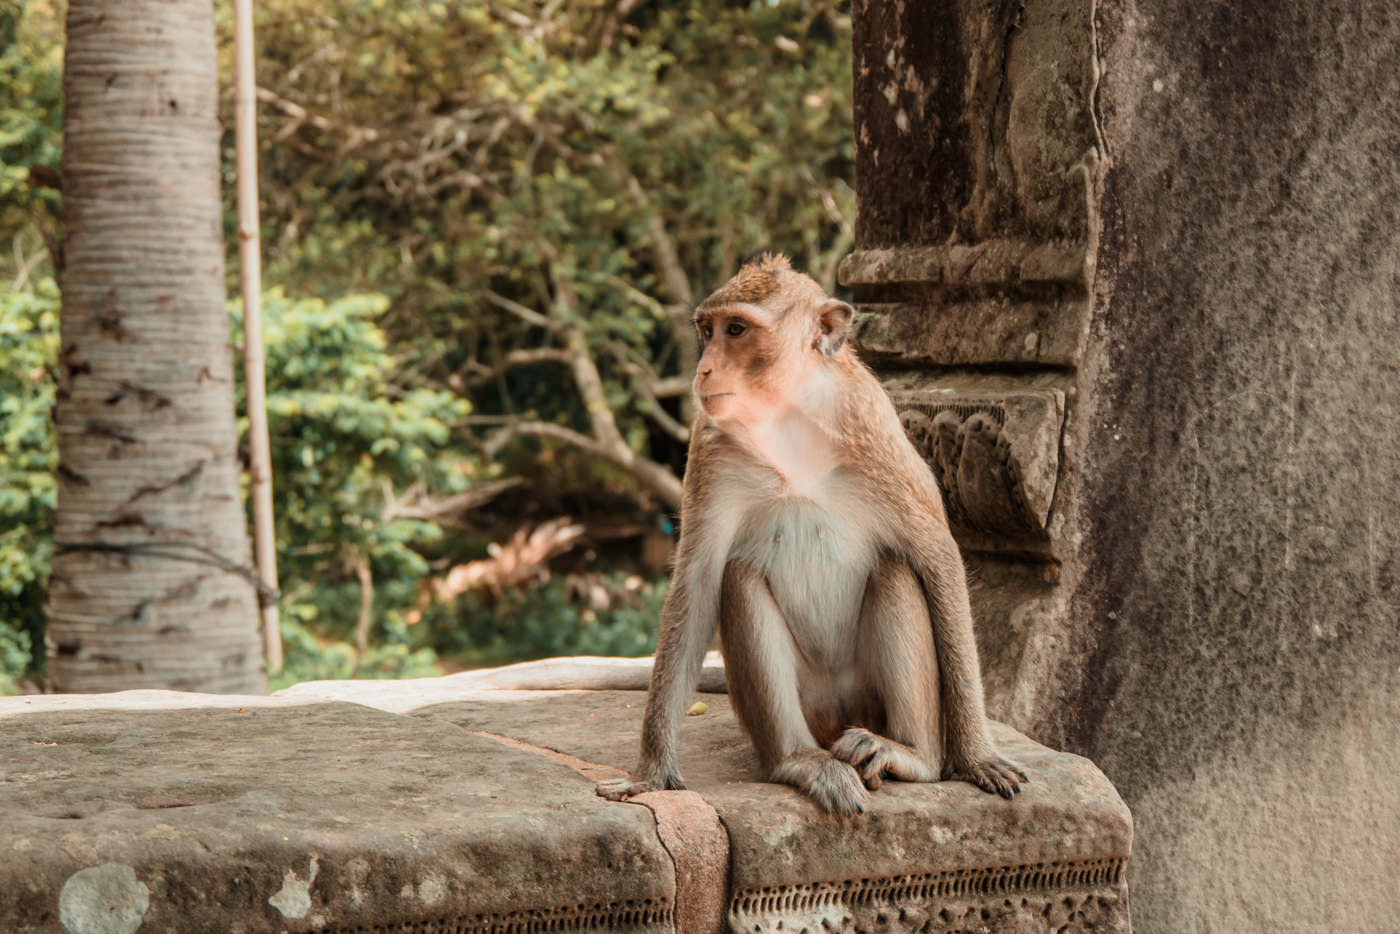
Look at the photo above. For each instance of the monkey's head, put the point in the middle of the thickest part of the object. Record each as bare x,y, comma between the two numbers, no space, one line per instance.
767,334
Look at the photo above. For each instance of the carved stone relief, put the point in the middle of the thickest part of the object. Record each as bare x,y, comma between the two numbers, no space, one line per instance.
1062,897
648,916
996,456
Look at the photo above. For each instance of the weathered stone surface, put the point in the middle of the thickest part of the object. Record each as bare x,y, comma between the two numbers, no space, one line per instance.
1219,632
996,454
993,329
295,817
916,845
698,844
179,812
140,700
974,121
1235,666
576,673
1007,264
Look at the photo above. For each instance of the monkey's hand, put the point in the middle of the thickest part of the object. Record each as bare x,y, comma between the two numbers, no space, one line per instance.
834,785
876,757
988,770
620,789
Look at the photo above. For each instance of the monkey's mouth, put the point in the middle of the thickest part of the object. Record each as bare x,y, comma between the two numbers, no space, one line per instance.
715,395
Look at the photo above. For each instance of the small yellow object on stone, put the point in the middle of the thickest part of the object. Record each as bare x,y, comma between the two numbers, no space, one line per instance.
697,708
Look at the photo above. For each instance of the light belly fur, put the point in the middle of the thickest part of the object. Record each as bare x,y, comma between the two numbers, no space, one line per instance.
817,561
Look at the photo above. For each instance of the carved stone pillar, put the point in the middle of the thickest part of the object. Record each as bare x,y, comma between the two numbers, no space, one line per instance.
977,169
1132,268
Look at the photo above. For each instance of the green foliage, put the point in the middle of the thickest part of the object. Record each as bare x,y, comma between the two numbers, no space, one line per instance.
344,437
601,173
31,71
28,457
545,621
307,657
15,658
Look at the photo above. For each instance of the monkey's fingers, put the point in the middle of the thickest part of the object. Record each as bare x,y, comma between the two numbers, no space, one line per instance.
994,776
875,768
856,746
620,789
834,785
838,790
1009,771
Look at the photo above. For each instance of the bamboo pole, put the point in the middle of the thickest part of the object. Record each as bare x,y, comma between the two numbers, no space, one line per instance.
250,274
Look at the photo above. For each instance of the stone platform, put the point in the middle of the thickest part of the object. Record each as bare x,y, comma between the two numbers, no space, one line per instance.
449,805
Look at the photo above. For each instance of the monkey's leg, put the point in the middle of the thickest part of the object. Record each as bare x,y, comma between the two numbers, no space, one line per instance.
898,667
761,666
968,752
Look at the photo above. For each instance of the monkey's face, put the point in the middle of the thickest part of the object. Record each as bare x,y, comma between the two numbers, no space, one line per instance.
749,364
766,334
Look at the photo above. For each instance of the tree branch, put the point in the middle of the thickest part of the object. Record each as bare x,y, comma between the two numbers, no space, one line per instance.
670,386
528,315
586,376
606,440
425,508
676,282
663,247
643,378
831,259
527,356
299,114
653,476
360,564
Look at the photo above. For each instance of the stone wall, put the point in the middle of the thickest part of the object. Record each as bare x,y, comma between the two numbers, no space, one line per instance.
1147,331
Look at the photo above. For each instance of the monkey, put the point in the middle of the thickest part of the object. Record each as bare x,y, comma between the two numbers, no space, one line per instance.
813,536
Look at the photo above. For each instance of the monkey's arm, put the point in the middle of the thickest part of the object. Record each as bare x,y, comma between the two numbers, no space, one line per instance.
969,754
680,654
688,622
686,631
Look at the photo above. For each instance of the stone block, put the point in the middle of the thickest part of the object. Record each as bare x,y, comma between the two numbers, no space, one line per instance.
978,331
328,817
166,812
1004,263
934,858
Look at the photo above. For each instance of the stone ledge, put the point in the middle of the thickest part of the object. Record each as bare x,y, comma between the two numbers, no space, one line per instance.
478,815
997,263
973,332
328,816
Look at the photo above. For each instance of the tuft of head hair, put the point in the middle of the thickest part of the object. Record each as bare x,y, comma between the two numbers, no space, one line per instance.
755,280
769,260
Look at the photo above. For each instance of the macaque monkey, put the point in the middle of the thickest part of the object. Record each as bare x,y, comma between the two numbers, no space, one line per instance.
813,536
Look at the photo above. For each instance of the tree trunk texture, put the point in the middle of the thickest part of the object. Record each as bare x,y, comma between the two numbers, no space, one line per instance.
151,548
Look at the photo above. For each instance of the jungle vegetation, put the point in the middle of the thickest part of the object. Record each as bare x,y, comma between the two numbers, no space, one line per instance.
485,225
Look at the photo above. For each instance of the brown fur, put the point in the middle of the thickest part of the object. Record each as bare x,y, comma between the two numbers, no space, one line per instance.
907,703
753,283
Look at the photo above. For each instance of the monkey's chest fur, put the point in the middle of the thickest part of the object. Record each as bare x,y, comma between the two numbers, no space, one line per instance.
817,556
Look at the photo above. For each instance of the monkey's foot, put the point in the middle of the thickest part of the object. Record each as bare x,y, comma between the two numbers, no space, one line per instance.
876,757
834,785
992,773
620,789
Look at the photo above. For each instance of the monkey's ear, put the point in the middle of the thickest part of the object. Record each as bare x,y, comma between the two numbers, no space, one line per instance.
834,326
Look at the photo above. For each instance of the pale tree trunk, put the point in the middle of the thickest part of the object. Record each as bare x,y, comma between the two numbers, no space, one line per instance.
150,580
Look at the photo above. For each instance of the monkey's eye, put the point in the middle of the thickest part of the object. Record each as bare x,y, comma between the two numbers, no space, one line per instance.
735,328
706,331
